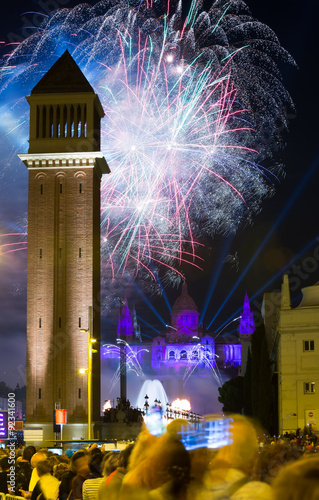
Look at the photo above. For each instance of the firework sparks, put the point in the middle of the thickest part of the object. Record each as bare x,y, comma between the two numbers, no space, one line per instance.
12,246
199,356
132,363
183,121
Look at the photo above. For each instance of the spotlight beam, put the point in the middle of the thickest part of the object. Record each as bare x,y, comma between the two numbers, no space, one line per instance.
284,212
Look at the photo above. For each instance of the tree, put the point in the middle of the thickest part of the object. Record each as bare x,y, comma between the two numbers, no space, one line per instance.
232,395
248,411
261,390
4,390
20,392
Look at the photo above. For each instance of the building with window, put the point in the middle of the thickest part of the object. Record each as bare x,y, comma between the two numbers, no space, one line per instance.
189,362
293,339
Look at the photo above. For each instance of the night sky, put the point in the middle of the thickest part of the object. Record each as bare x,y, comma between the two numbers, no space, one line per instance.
288,220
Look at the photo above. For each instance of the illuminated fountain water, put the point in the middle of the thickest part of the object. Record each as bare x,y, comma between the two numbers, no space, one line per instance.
154,390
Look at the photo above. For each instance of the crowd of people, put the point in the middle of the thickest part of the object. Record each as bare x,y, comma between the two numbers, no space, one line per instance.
160,468
123,412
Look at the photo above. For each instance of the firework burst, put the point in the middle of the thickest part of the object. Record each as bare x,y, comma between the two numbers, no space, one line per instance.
188,100
132,363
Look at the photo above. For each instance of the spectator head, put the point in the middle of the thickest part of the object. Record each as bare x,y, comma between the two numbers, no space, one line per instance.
28,453
64,459
53,460
144,442
166,462
59,470
79,462
175,426
298,481
37,457
4,464
272,458
242,452
125,455
43,467
110,462
95,462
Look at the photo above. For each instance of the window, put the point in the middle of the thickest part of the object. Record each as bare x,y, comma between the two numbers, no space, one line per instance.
41,188
309,388
80,187
61,188
171,355
40,253
208,354
79,393
60,253
183,355
40,323
79,322
308,345
40,395
80,253
60,322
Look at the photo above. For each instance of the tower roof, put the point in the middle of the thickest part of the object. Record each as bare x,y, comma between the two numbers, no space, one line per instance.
63,77
247,325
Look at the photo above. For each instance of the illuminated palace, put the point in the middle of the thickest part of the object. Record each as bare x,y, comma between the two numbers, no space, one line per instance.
189,362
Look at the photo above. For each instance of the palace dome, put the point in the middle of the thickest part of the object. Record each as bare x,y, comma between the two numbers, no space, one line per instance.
184,302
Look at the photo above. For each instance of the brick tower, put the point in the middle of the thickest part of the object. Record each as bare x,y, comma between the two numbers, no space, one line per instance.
65,167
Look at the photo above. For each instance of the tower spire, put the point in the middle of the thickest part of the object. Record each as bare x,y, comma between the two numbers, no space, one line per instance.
246,325
246,329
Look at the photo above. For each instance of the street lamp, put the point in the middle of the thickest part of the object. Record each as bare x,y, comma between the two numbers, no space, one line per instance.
91,341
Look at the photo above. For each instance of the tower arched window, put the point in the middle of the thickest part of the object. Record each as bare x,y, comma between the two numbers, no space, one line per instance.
183,355
171,355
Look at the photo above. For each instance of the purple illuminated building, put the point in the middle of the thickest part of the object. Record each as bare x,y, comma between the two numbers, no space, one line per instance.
189,362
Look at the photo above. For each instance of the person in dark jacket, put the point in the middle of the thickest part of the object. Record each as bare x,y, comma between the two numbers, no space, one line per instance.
24,470
5,467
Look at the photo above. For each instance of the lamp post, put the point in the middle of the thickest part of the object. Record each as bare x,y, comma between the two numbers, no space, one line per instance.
91,341
123,373
146,405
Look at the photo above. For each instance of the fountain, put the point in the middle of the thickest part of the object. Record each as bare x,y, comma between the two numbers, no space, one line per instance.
154,390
